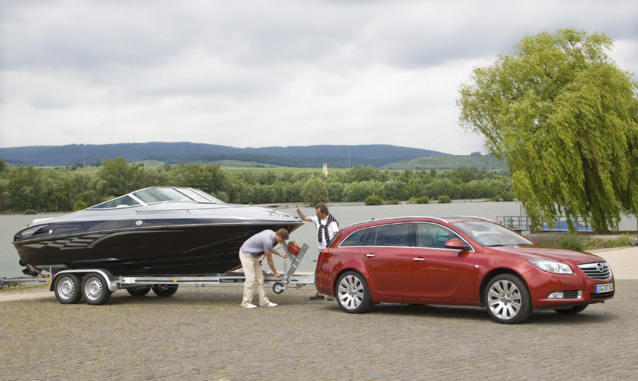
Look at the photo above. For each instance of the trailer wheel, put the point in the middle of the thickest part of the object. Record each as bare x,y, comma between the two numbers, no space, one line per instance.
139,291
278,288
67,288
165,290
95,289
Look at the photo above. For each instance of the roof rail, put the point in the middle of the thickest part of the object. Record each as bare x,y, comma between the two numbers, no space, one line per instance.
400,218
443,219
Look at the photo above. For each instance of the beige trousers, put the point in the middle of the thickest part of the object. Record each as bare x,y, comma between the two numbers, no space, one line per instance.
254,279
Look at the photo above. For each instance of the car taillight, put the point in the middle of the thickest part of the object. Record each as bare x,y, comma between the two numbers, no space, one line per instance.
321,258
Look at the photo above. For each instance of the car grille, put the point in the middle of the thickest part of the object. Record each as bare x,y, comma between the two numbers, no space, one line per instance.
596,270
570,294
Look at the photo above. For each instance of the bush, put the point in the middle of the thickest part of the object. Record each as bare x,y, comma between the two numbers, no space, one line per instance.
30,211
222,196
419,200
621,241
443,199
598,243
374,200
314,191
571,242
508,196
79,205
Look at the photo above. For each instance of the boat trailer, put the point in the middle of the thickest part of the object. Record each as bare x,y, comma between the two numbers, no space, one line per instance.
96,285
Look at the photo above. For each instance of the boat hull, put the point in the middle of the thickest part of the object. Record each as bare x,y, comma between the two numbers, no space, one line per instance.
157,247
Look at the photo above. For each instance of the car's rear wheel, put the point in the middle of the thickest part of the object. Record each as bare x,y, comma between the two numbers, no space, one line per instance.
507,299
353,294
573,310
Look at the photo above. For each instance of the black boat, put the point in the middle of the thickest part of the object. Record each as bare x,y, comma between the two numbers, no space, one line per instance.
155,231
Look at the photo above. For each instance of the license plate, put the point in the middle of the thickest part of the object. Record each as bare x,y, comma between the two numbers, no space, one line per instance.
607,287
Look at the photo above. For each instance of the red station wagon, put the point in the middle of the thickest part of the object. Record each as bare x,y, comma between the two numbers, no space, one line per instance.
465,261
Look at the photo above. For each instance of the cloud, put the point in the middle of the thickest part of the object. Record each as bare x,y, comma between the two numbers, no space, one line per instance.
256,73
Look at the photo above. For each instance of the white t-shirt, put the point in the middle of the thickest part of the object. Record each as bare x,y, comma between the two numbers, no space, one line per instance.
333,228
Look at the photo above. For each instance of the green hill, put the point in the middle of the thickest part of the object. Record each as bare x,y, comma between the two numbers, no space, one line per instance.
336,156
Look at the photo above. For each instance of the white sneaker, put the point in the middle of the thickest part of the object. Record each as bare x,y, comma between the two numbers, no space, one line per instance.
250,306
271,304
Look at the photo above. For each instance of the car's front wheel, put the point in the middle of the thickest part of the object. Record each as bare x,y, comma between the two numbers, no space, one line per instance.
507,299
353,294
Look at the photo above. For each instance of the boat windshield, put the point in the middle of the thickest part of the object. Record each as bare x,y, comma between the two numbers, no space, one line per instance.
199,195
490,234
152,195
119,202
158,194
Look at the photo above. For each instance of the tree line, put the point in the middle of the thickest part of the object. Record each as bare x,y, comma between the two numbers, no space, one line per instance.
60,189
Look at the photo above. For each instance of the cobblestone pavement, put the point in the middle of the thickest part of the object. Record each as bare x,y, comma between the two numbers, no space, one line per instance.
202,334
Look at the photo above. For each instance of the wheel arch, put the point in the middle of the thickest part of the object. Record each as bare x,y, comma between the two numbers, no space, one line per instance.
492,274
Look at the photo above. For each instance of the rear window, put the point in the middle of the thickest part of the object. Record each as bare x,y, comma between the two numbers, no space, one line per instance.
356,238
386,235
393,235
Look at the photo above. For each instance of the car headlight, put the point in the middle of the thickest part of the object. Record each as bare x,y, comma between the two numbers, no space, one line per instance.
551,266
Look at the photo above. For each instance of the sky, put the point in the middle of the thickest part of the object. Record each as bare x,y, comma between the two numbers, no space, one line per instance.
267,73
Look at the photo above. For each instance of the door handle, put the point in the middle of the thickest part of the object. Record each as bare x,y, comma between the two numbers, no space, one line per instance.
370,255
418,259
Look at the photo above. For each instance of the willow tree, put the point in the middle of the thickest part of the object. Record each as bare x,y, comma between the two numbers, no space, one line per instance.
566,118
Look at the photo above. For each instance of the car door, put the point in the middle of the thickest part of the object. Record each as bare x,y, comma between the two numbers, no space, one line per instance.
387,259
438,273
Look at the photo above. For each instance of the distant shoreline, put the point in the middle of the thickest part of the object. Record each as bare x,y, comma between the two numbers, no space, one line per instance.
275,205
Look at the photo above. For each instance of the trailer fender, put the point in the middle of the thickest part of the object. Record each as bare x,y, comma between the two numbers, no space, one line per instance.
112,283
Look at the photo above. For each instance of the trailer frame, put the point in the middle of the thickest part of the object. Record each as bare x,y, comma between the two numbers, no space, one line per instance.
96,285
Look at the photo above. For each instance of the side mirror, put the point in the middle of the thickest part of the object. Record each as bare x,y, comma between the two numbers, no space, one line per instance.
456,244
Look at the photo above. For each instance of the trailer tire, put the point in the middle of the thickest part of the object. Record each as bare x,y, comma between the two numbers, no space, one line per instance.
139,291
67,288
278,287
165,290
95,289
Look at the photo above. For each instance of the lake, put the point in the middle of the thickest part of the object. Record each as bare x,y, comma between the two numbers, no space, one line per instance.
345,214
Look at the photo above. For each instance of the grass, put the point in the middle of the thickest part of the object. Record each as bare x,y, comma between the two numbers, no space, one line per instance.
20,287
582,242
485,162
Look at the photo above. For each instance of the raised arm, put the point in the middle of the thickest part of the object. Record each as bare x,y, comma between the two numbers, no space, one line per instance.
303,216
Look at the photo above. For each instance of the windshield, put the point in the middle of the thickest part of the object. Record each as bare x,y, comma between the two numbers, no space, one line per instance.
151,195
158,194
490,234
200,196
119,202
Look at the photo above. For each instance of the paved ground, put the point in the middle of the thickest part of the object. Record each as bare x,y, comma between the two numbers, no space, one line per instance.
623,262
201,334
